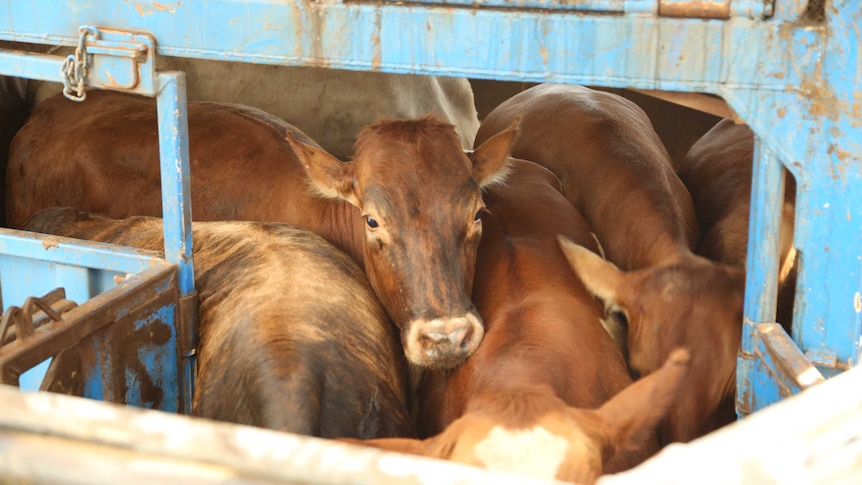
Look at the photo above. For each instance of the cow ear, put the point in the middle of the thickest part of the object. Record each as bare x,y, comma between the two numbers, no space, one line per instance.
491,159
638,408
601,278
329,176
401,445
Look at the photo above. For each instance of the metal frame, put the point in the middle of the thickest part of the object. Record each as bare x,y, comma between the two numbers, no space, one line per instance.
126,297
789,69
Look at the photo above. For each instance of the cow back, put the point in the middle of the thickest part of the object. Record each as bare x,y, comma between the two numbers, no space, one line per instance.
291,335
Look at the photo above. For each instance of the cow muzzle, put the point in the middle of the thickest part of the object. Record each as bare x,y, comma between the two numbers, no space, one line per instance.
443,343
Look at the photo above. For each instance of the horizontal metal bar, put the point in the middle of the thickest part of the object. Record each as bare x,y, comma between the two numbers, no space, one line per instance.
633,50
32,66
604,6
76,252
249,453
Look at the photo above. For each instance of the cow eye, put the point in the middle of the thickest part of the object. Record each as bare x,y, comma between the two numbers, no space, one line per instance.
371,222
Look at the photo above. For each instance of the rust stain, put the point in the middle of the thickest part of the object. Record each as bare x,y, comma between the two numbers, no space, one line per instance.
842,155
140,9
50,242
544,53
857,302
782,112
111,81
165,8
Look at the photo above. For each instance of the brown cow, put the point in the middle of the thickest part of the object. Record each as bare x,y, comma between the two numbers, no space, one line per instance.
718,171
407,207
292,336
522,402
616,172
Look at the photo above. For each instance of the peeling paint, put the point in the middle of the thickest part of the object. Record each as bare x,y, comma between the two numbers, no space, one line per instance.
857,302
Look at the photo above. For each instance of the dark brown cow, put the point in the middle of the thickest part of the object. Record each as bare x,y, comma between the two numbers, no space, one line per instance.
407,206
292,336
615,170
717,171
525,401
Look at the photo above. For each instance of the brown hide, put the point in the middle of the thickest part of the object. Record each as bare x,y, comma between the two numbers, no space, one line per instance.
718,171
545,352
615,170
409,178
13,112
291,335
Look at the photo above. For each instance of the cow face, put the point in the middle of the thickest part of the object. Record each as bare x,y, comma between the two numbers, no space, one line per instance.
691,303
419,196
529,431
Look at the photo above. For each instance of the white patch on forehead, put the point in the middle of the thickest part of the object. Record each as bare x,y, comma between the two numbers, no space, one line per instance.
535,452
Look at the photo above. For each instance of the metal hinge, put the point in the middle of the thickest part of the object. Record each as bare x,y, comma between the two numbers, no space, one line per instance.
109,59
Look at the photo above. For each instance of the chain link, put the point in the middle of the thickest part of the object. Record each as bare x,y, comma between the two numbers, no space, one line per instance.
74,70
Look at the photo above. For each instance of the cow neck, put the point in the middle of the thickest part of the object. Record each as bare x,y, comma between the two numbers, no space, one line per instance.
338,222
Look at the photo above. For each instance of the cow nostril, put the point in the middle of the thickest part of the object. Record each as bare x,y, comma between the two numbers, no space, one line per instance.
466,339
433,338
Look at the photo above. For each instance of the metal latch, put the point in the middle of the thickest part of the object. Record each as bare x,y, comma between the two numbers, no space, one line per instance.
109,59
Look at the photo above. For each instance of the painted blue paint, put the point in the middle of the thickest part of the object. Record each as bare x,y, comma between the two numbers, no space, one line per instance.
176,197
76,252
160,363
767,200
621,50
94,376
176,200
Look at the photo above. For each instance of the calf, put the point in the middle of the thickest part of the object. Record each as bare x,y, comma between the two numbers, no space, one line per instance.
406,207
521,402
717,171
291,335
616,172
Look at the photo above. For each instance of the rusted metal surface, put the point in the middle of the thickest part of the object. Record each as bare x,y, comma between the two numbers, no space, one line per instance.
123,341
26,319
704,9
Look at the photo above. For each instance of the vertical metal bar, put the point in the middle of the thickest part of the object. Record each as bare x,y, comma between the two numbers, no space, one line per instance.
176,209
761,282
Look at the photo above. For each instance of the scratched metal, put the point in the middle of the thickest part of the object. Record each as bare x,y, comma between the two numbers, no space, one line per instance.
126,343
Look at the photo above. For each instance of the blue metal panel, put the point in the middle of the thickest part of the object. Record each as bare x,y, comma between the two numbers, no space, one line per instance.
628,50
84,254
177,209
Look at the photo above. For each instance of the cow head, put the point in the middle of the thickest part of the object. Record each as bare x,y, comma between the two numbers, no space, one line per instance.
419,197
687,302
530,431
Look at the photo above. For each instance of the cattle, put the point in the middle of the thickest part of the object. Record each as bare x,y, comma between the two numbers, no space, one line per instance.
13,112
717,171
616,172
407,207
292,337
526,401
330,105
